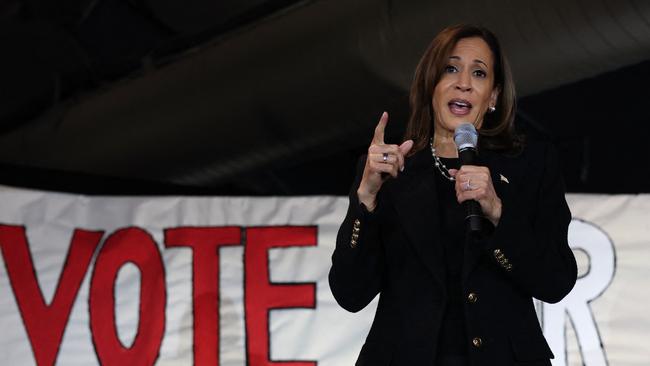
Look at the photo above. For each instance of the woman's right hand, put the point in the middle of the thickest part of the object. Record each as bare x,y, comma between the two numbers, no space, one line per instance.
384,161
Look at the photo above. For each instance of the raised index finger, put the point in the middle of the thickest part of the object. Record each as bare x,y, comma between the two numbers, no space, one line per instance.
378,138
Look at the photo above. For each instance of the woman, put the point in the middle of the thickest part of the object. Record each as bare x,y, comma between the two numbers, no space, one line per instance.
446,297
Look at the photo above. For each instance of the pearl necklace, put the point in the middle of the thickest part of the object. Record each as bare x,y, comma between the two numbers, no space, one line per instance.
441,167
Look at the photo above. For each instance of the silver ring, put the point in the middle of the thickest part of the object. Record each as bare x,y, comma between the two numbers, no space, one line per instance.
385,157
468,186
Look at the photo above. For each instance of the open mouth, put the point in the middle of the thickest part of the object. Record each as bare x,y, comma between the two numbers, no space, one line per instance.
459,107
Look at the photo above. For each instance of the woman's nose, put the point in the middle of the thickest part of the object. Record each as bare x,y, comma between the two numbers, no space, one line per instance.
464,82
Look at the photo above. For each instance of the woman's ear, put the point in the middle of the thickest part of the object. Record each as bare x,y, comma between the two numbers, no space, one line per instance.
494,96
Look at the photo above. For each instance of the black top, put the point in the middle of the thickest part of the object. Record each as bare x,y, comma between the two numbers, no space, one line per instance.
453,339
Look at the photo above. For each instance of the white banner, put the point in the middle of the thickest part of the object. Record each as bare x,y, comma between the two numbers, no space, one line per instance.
226,281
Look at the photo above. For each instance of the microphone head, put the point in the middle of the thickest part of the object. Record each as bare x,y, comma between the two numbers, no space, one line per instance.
465,136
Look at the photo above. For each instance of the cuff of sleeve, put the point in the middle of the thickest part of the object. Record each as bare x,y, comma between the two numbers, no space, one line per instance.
504,244
363,221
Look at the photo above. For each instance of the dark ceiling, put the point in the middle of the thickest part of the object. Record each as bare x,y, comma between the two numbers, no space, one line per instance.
280,97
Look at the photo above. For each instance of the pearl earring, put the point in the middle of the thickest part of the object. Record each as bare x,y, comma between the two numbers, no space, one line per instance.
491,109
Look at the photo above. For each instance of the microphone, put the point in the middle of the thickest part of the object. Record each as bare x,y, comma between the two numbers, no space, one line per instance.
466,138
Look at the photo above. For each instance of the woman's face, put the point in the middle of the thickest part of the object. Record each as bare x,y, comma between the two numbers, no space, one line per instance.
466,87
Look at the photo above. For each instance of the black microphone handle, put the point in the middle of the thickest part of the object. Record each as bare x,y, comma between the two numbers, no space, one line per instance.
473,213
473,216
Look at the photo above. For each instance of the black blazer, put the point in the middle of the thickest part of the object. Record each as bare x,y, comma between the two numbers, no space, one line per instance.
395,251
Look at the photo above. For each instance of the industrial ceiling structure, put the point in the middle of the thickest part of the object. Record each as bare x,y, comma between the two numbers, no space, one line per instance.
262,97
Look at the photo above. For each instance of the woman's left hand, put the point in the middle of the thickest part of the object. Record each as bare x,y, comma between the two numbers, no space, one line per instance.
475,183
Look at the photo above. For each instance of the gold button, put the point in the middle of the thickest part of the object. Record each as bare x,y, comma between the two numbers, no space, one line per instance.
477,342
355,236
353,243
500,256
472,297
497,252
508,267
357,223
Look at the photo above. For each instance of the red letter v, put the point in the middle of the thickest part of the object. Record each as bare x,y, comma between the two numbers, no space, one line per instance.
45,323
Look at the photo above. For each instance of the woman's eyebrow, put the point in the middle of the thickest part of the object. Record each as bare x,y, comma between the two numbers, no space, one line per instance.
476,61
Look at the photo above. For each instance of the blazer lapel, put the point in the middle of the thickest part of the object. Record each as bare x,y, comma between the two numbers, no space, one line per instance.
416,203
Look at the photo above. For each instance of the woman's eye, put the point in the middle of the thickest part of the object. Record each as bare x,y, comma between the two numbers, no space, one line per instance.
480,73
450,69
